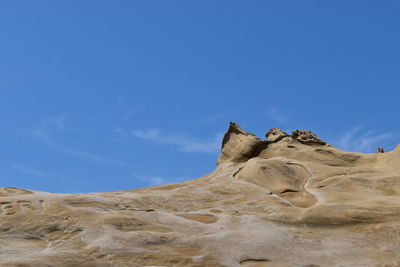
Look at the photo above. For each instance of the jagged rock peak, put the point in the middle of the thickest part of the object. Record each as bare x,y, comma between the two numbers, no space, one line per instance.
235,128
237,145
275,135
307,137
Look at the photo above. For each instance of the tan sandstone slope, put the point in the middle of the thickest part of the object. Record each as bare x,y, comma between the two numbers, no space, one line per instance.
290,200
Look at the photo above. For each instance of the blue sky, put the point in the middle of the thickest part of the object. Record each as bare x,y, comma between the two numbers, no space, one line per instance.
110,95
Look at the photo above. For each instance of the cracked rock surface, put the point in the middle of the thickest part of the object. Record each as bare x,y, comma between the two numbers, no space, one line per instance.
289,201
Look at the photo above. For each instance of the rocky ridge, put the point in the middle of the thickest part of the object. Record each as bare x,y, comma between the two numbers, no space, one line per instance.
290,200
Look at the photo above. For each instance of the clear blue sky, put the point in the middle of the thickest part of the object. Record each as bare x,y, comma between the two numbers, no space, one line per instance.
109,95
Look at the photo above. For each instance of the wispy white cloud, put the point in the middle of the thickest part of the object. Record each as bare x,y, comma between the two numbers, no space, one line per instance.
217,117
131,113
151,134
120,101
152,180
121,131
57,122
77,153
355,140
129,109
277,115
60,123
49,124
43,174
185,142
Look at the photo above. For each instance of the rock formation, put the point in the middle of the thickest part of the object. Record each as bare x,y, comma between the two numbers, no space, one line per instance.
380,150
275,135
237,145
290,200
307,137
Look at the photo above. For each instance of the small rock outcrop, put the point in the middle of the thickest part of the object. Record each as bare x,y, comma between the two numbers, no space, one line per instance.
275,135
237,145
307,137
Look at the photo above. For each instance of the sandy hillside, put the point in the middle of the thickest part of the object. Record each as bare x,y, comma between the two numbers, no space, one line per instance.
289,200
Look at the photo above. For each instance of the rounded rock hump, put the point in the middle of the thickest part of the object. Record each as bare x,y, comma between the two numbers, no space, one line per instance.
237,145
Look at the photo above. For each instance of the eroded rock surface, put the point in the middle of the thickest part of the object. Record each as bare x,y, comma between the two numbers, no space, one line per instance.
275,135
237,145
307,137
289,201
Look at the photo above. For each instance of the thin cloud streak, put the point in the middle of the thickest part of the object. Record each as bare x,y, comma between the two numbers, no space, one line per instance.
58,122
131,113
276,115
121,131
53,177
77,153
367,142
216,117
153,180
185,142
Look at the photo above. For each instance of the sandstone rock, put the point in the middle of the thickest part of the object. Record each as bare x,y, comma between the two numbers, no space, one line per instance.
307,137
275,135
237,145
282,203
